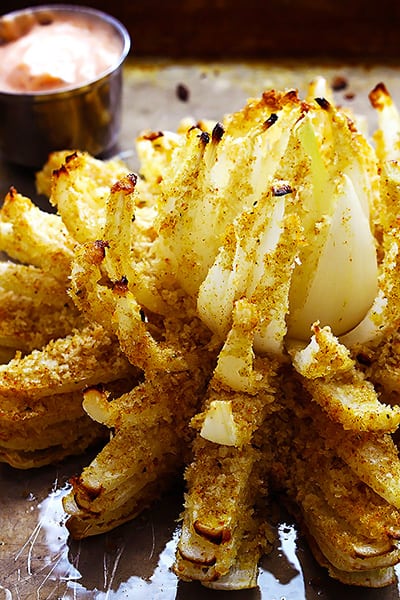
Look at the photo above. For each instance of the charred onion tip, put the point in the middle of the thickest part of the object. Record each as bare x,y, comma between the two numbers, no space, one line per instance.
271,120
204,137
71,156
126,184
100,247
153,135
121,286
376,94
323,103
63,169
380,87
217,132
101,244
281,190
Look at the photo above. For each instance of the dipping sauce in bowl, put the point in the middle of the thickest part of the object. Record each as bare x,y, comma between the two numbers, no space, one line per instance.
55,51
60,81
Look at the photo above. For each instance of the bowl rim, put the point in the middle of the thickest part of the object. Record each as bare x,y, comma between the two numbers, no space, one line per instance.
100,15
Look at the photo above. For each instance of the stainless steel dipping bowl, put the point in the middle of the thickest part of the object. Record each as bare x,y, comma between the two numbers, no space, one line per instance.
84,117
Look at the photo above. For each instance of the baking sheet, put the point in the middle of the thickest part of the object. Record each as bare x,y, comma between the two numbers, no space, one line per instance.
37,559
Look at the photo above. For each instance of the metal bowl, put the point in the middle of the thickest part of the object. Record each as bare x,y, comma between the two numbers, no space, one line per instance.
86,116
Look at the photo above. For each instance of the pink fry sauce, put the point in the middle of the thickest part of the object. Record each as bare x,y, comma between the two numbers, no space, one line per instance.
63,51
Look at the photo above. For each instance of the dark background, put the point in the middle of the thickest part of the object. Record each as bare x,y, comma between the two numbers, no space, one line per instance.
250,29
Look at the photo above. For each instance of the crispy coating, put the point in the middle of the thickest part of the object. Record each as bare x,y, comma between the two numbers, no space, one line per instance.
32,236
144,457
194,341
34,308
49,351
79,190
